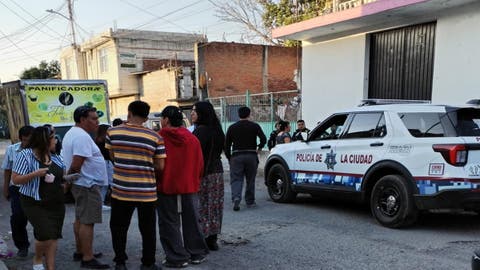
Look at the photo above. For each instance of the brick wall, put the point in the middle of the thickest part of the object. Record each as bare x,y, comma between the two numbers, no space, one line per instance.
232,68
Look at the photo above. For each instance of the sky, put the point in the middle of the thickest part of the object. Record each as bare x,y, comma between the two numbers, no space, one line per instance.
29,34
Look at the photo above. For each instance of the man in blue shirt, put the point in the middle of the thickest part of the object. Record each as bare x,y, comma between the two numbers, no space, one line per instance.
18,220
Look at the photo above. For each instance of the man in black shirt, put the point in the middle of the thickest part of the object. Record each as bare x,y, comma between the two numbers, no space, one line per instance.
243,156
297,135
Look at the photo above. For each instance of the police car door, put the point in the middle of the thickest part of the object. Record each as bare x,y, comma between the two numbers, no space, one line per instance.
361,144
315,159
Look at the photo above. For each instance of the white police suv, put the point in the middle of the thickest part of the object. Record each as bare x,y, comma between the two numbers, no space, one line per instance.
401,158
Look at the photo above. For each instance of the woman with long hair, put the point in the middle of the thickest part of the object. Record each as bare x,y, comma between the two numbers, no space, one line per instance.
284,132
40,172
210,134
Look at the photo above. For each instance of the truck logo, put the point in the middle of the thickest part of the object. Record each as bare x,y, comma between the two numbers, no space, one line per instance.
65,98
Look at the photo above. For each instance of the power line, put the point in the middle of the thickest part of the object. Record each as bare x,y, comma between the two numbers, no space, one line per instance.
25,20
169,13
154,15
36,19
23,51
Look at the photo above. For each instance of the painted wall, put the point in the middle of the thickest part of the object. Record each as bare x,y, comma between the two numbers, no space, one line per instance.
333,77
456,71
158,87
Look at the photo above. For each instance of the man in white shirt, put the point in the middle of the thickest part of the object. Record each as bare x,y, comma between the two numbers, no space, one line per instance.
81,155
18,220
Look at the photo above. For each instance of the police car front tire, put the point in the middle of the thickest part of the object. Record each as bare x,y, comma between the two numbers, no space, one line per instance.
279,188
392,202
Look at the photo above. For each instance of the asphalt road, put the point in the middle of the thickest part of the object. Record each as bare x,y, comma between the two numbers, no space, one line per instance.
308,234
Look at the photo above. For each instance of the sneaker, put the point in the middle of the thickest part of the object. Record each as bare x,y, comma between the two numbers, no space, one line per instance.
22,253
170,264
197,259
78,256
236,205
151,267
106,208
121,266
38,267
251,205
94,264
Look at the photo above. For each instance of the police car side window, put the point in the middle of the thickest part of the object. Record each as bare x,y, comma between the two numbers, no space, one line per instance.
329,130
423,124
366,125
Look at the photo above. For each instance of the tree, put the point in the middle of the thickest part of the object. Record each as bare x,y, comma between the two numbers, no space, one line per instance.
247,13
43,71
261,16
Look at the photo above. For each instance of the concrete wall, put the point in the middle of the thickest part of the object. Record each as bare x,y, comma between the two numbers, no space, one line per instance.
159,86
333,77
456,72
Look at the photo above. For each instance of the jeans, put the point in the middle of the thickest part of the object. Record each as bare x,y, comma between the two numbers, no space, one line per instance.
243,166
180,232
120,217
18,220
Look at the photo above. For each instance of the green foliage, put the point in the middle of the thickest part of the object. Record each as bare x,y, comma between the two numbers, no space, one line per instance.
43,71
284,12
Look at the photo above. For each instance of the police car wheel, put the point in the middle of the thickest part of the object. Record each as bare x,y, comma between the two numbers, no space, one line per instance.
279,188
392,202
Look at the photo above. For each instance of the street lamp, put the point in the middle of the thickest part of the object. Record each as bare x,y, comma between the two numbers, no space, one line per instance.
70,19
76,49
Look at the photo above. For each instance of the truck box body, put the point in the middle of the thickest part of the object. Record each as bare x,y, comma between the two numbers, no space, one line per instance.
39,102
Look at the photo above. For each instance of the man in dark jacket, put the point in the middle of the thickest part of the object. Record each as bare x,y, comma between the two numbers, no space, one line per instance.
241,149
297,135
272,140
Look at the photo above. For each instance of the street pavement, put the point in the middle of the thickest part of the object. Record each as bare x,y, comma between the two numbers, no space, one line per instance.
229,240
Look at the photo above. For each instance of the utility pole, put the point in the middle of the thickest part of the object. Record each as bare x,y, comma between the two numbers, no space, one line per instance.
72,22
79,67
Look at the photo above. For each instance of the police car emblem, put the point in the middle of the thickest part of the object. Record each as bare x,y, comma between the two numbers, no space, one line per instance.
330,160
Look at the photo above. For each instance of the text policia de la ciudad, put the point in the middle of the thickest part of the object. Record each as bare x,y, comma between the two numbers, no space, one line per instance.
344,158
65,88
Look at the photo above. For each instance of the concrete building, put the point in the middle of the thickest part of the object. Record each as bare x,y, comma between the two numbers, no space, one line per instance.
125,59
396,49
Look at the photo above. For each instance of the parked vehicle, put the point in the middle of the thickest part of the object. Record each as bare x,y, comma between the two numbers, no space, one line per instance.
399,158
154,123
39,102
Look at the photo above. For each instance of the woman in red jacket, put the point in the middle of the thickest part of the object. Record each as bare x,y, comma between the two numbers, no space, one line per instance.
180,232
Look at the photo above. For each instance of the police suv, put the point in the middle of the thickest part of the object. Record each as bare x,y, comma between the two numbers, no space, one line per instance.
400,158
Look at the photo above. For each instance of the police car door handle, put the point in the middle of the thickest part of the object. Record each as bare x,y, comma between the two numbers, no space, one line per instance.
377,144
325,147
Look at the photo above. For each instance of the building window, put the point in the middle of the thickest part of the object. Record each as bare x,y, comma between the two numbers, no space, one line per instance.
103,58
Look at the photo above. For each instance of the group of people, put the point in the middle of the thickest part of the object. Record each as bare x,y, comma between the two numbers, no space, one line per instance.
174,174
281,133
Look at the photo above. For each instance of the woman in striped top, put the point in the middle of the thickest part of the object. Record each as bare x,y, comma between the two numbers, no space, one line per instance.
40,172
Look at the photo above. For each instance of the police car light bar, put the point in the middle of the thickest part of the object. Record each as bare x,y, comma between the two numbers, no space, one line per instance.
369,102
474,102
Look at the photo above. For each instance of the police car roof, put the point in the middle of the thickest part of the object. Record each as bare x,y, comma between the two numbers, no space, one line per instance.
413,107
